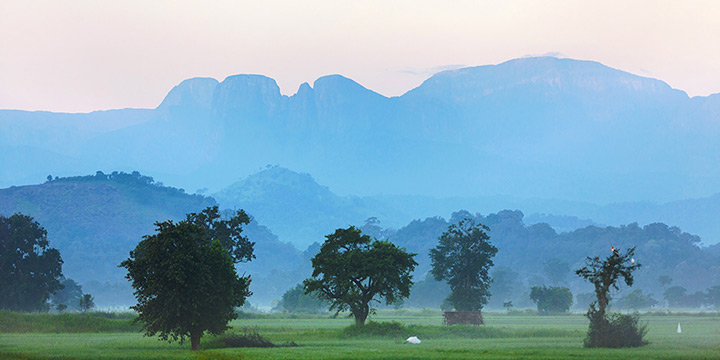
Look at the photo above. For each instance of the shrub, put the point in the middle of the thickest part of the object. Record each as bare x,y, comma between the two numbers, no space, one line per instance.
617,331
372,328
246,339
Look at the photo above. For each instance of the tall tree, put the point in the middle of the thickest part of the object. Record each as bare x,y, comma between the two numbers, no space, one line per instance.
296,301
713,296
463,257
352,270
604,275
29,268
674,295
67,297
86,303
551,300
185,280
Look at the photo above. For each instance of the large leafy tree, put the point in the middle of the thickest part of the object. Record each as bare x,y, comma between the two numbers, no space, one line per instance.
352,270
296,301
551,300
184,276
30,269
463,257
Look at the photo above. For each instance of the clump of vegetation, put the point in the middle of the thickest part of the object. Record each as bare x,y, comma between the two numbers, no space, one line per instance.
295,300
352,271
372,328
463,257
246,339
184,276
551,300
617,330
30,270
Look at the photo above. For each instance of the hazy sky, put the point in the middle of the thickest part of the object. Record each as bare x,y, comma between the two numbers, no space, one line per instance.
87,55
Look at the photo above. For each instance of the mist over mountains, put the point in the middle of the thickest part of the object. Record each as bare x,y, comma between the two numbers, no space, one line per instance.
533,127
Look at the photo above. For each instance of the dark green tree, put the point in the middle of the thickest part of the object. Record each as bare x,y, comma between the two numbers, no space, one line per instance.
637,300
30,269
184,277
463,257
69,296
296,301
352,270
712,296
620,330
227,231
674,295
86,303
551,300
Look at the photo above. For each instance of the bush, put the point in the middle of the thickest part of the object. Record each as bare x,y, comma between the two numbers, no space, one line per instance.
372,328
620,330
246,339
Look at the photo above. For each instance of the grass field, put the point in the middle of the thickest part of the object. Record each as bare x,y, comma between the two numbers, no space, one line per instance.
504,337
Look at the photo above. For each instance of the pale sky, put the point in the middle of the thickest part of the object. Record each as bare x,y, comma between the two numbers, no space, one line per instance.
79,56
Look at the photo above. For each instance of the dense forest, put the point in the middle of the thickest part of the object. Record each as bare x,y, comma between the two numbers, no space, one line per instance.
96,220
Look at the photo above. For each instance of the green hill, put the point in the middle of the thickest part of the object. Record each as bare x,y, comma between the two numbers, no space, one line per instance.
96,220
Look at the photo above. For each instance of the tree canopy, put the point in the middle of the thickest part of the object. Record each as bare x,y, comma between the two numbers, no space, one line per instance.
619,330
184,276
463,257
551,300
30,269
352,270
296,301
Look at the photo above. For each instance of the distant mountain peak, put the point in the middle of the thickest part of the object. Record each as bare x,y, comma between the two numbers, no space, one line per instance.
272,178
338,84
195,92
561,74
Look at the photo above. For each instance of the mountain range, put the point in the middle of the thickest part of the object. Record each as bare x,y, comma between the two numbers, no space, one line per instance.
539,127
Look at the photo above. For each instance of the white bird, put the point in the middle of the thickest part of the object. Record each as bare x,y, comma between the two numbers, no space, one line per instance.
679,329
413,340
632,261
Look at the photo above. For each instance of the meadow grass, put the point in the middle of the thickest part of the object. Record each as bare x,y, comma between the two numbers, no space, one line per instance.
321,337
12,322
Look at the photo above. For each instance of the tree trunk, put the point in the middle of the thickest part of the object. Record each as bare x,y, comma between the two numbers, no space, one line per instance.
361,314
195,340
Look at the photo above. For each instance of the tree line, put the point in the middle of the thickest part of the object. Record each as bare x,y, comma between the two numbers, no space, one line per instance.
186,283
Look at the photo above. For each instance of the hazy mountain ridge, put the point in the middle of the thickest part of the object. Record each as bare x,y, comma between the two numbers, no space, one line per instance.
302,211
531,127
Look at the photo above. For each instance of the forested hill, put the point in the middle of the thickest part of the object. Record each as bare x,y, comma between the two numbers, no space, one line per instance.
523,249
96,220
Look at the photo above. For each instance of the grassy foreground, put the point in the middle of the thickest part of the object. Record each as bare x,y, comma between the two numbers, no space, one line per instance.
505,337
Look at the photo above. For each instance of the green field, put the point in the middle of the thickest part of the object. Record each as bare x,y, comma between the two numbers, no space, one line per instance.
504,337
